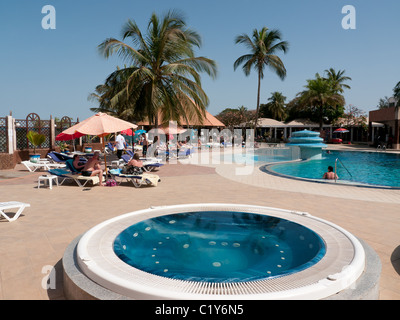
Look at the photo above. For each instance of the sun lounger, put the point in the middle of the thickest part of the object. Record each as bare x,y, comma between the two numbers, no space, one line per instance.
137,179
12,205
57,157
32,167
109,149
70,166
66,174
129,152
148,164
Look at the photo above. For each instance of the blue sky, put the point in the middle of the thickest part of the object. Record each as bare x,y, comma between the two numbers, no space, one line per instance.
52,72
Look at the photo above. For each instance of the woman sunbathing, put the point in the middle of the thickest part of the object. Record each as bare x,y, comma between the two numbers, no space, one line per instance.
135,161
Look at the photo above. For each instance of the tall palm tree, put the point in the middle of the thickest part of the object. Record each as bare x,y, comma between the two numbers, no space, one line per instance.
263,45
320,94
338,79
396,93
276,105
162,76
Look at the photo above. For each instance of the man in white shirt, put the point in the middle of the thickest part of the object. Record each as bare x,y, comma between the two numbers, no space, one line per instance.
120,144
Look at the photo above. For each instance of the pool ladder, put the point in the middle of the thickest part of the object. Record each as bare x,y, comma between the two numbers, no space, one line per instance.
336,161
381,147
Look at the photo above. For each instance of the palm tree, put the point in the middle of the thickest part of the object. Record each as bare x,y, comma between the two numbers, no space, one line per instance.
337,79
320,94
276,105
263,46
103,95
396,93
162,76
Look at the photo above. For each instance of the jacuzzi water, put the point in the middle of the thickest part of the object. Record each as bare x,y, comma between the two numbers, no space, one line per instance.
219,246
371,168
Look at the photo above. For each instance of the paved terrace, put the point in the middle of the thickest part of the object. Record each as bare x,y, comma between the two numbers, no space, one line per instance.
40,236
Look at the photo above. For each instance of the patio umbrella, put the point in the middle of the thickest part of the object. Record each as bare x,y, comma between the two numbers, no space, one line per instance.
138,133
341,130
101,124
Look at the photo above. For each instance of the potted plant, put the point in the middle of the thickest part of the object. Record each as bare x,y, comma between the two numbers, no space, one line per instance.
36,139
63,147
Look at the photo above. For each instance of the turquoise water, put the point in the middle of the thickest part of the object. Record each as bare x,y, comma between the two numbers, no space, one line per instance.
219,246
267,155
372,168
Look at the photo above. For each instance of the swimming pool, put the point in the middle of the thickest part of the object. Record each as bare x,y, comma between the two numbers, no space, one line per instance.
365,168
263,155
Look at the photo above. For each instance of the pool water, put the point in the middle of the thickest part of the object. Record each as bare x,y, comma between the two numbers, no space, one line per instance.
371,168
265,155
219,246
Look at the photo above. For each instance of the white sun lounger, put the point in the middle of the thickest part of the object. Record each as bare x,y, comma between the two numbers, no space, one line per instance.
12,205
32,167
66,174
137,179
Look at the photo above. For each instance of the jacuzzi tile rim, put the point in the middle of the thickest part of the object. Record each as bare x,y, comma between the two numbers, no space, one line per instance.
147,284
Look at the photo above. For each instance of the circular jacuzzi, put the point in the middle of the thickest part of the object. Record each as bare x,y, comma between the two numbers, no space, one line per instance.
219,246
220,251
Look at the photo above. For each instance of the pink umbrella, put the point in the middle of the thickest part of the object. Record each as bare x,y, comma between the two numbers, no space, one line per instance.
101,124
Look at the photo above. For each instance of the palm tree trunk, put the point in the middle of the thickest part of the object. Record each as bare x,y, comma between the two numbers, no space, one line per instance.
156,121
258,104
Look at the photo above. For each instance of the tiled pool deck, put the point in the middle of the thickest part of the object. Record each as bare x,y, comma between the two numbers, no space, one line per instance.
40,236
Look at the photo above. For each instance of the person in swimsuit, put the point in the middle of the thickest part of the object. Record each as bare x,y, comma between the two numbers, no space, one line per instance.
145,144
135,161
330,175
78,165
93,168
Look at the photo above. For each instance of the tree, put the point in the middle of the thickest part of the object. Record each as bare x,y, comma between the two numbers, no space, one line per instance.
338,79
263,47
320,96
162,76
352,116
396,93
103,95
234,117
276,106
383,103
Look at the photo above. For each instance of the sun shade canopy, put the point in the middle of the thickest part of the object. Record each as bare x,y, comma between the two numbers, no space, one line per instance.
101,124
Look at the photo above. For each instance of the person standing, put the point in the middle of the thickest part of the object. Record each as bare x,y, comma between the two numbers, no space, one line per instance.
120,144
145,144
